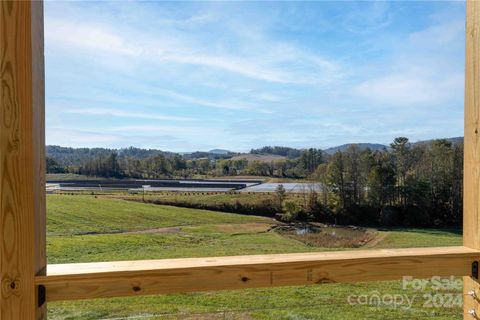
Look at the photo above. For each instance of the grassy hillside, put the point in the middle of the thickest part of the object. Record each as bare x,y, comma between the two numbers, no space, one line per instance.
82,214
130,230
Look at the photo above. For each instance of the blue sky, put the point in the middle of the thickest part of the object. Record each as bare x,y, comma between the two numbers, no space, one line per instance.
186,76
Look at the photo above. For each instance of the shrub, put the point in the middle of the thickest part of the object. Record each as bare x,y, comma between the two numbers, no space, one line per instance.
280,195
292,211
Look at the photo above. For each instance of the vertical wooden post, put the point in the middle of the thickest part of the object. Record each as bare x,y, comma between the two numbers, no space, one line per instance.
22,159
471,175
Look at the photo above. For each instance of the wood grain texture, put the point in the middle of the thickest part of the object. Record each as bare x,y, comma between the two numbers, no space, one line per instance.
126,278
471,195
22,205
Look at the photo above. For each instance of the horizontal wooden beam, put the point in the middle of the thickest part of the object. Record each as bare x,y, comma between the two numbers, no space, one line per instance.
129,278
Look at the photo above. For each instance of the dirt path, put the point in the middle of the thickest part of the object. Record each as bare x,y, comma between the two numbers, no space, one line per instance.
156,230
376,240
252,227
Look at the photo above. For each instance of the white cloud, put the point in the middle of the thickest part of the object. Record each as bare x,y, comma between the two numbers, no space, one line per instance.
231,64
202,102
88,36
425,69
438,36
123,114
410,88
82,138
72,137
368,17
178,130
206,57
269,60
166,137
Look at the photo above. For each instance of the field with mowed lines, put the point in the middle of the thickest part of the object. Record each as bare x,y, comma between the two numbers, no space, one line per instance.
84,228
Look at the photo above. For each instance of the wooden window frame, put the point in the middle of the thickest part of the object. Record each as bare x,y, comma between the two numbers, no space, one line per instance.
27,283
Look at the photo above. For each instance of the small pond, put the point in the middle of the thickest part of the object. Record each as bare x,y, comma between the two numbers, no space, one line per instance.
328,236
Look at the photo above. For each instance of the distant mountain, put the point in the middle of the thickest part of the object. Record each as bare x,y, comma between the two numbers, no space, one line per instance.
361,147
66,156
219,151
454,141
379,147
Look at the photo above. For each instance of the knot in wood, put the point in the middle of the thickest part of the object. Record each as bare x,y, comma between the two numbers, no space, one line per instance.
136,286
11,286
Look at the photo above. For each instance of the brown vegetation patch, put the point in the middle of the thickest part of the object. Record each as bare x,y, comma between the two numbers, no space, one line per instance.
328,236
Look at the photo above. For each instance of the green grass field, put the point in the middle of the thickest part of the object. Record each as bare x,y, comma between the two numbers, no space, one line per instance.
215,199
82,214
86,228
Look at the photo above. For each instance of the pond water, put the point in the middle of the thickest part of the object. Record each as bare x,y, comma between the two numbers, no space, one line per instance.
328,236
301,230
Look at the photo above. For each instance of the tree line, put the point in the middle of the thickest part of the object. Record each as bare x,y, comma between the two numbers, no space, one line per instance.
405,184
111,164
408,185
